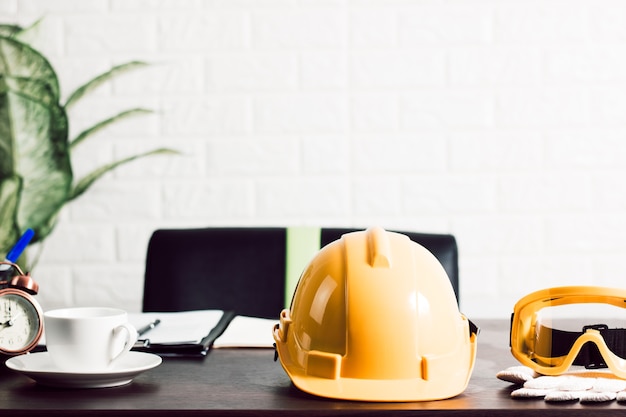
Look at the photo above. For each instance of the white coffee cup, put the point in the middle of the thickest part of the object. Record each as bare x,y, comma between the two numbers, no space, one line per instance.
87,339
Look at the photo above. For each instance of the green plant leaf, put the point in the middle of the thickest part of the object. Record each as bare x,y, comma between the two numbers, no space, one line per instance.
87,181
9,30
101,125
21,61
9,190
101,79
34,148
27,32
34,89
18,32
35,169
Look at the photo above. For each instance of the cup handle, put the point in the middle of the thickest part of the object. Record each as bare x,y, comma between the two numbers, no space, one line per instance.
131,338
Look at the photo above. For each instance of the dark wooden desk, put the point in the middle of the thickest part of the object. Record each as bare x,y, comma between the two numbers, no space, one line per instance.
247,382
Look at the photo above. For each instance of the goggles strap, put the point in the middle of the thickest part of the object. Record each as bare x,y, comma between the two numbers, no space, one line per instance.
473,329
589,355
615,339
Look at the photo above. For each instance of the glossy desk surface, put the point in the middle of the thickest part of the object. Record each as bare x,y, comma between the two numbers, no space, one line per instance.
247,382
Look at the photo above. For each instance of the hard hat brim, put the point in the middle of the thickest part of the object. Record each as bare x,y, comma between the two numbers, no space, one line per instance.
375,390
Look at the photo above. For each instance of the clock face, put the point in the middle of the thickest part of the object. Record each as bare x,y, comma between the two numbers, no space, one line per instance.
20,323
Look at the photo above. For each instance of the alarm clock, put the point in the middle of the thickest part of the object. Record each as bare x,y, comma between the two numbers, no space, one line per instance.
21,316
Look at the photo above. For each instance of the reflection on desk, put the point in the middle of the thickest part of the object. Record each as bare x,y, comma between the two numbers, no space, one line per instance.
247,382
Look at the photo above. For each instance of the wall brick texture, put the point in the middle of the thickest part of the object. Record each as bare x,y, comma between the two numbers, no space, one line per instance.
501,122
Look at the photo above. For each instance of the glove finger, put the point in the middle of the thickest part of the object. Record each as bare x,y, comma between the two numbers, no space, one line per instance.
517,374
621,396
595,397
529,393
608,385
545,382
555,396
574,383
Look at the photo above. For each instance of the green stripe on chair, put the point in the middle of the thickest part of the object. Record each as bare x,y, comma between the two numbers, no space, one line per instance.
302,244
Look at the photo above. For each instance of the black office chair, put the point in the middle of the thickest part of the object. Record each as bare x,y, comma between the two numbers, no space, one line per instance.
241,268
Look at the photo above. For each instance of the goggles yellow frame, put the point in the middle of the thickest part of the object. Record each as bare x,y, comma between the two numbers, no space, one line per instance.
531,343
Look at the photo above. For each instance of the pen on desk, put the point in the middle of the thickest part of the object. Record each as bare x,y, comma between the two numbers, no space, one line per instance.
148,327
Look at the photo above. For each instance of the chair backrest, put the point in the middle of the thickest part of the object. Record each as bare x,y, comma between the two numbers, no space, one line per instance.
240,268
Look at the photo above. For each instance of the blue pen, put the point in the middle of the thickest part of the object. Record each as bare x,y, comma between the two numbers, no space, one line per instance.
20,245
17,249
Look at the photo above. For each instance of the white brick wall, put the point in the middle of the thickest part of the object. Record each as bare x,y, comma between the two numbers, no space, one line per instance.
503,123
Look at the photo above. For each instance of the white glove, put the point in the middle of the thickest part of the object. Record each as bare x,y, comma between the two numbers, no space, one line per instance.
571,386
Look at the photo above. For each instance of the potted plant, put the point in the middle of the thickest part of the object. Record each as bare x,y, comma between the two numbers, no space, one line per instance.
36,177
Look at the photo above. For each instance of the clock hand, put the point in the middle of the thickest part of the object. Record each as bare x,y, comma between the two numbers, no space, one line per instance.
7,324
11,320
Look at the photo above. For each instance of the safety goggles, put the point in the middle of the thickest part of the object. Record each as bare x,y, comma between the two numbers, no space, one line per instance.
555,328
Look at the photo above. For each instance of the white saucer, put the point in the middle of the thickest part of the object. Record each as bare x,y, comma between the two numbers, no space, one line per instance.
39,366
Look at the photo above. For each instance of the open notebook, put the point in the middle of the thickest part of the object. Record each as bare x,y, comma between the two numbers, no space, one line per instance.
193,333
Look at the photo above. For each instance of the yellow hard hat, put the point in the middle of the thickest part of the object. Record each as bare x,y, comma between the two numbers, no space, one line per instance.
374,318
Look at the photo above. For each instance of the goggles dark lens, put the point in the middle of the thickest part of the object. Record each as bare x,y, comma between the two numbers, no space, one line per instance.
555,328
555,343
